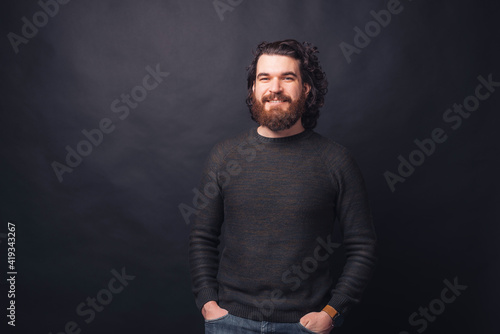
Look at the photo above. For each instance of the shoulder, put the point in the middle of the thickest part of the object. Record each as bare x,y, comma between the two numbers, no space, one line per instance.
224,147
337,159
340,163
330,150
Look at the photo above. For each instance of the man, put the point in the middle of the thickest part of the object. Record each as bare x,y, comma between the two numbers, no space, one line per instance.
272,194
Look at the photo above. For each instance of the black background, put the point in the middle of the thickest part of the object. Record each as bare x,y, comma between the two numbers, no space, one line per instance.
119,207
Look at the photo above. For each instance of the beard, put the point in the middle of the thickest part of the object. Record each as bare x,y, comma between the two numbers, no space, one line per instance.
278,118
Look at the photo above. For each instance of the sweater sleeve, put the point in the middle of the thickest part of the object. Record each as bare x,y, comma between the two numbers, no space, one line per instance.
205,231
359,238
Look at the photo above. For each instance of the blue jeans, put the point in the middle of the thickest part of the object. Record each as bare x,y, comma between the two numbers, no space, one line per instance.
230,324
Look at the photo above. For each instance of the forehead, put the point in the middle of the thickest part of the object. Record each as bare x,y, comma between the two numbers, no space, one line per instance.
277,64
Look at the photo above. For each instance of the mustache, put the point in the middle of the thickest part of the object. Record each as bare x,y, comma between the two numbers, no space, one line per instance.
275,96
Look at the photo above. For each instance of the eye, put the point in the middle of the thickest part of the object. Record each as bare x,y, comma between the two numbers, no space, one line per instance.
264,79
288,79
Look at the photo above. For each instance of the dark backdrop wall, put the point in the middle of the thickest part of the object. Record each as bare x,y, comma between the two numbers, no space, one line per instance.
109,108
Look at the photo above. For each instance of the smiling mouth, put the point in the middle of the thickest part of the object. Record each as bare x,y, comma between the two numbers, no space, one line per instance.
276,99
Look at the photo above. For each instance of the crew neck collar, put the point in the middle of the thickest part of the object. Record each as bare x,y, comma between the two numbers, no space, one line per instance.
286,139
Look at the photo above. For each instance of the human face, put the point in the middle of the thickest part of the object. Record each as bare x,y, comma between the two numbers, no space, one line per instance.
278,92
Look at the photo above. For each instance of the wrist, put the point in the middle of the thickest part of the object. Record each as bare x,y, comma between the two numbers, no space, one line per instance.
210,303
209,306
334,315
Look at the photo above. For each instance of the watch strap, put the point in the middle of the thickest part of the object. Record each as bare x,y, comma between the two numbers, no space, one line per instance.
331,311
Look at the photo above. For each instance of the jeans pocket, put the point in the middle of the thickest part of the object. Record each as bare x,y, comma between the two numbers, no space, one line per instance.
217,319
305,330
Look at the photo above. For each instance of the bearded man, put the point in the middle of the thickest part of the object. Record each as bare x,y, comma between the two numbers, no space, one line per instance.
273,195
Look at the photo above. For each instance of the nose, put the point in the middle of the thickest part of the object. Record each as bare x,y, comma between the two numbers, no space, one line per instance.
275,86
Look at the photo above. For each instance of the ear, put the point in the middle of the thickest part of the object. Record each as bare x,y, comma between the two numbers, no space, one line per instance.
253,87
307,88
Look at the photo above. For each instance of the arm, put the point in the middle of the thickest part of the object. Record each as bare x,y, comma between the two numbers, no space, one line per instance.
204,238
359,236
356,225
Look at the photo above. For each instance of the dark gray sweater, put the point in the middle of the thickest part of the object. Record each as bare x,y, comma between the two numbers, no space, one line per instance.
276,201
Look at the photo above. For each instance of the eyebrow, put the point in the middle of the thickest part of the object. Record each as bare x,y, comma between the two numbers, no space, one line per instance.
284,74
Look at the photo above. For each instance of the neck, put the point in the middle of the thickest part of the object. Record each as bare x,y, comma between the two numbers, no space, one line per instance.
293,130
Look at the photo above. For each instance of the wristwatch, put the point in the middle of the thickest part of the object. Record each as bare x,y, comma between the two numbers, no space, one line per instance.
337,319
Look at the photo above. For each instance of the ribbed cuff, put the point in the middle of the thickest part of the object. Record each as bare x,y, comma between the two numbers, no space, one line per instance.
205,296
341,303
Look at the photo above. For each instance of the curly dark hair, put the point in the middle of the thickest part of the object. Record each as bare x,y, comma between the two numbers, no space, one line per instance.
310,72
